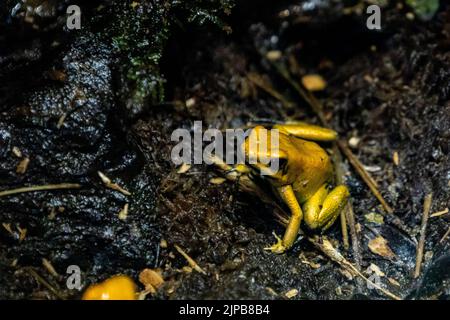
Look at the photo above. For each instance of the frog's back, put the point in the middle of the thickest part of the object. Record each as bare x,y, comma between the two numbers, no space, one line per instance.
314,169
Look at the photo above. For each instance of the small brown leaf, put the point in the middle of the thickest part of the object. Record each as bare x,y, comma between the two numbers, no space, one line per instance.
217,180
375,269
123,214
23,165
163,243
396,158
291,293
379,246
184,168
22,233
16,151
393,282
274,55
151,279
314,82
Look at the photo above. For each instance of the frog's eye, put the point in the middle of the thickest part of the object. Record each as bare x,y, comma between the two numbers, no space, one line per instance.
276,166
282,165
279,165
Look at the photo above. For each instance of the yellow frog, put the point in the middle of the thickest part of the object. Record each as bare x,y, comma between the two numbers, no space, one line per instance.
303,178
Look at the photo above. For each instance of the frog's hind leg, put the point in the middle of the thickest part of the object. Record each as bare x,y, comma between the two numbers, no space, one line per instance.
322,209
307,131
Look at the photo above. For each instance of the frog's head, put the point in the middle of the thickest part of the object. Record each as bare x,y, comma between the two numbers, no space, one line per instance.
267,153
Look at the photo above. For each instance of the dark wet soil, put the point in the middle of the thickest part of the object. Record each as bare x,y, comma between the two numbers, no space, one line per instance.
389,89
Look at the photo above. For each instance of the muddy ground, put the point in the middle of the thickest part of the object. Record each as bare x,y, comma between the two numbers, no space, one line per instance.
133,75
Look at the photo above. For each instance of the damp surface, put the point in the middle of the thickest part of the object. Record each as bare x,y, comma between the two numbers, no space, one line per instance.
108,97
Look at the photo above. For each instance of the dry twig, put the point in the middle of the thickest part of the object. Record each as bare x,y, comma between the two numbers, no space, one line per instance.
445,236
48,265
348,211
439,213
114,186
44,282
123,213
40,188
260,82
371,183
423,228
23,165
327,248
191,261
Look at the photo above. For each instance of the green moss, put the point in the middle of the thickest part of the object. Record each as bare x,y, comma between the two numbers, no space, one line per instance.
424,9
140,32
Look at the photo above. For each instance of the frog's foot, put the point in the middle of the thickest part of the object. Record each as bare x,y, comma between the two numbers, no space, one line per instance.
278,247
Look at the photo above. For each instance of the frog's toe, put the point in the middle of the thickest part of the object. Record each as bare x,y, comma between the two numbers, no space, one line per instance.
278,247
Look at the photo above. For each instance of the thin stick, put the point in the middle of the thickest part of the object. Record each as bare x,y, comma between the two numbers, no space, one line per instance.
439,213
114,186
445,236
191,261
267,87
371,183
306,95
40,188
44,282
343,220
48,265
327,248
354,234
423,228
339,172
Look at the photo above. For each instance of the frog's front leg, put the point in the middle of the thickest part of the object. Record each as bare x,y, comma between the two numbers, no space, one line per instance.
322,209
288,196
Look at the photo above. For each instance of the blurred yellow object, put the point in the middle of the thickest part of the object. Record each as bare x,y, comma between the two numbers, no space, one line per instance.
115,288
314,82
